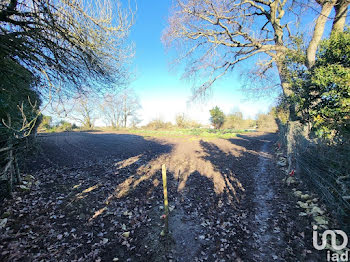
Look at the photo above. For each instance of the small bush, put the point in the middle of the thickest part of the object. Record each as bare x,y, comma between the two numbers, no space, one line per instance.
183,122
267,122
158,124
46,123
64,126
235,121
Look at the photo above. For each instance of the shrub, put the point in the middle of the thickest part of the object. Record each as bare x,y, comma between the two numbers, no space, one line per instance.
181,120
46,122
235,121
267,122
64,126
19,102
322,94
217,117
158,124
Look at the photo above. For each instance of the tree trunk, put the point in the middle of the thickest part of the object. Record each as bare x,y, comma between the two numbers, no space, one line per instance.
286,88
327,7
341,10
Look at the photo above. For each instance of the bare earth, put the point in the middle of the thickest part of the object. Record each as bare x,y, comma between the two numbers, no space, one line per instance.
98,197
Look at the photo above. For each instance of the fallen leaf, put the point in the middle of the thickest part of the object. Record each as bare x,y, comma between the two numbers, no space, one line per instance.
3,222
126,234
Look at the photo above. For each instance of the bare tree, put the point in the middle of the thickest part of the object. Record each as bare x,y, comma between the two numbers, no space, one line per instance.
135,121
84,110
112,109
70,44
129,104
119,106
215,35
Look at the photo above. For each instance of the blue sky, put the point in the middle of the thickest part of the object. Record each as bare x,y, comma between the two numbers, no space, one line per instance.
161,91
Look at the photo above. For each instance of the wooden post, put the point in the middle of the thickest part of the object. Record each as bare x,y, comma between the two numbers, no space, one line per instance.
165,192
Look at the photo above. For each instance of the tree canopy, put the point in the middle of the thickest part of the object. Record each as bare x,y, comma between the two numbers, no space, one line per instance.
68,44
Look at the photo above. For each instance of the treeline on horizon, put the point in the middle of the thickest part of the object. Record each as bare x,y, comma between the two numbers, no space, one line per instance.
232,121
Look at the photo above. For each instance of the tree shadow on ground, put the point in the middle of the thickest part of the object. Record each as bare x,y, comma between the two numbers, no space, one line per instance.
233,170
71,149
77,175
249,141
103,185
197,201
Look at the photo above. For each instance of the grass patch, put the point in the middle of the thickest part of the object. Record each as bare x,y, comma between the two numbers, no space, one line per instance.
197,132
193,134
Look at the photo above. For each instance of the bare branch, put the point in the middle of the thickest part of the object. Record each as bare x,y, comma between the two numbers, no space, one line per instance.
216,35
76,42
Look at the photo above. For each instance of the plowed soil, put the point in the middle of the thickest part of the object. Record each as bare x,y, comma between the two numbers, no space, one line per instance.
98,196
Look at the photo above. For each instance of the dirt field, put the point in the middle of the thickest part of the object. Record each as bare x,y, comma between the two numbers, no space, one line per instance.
98,197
